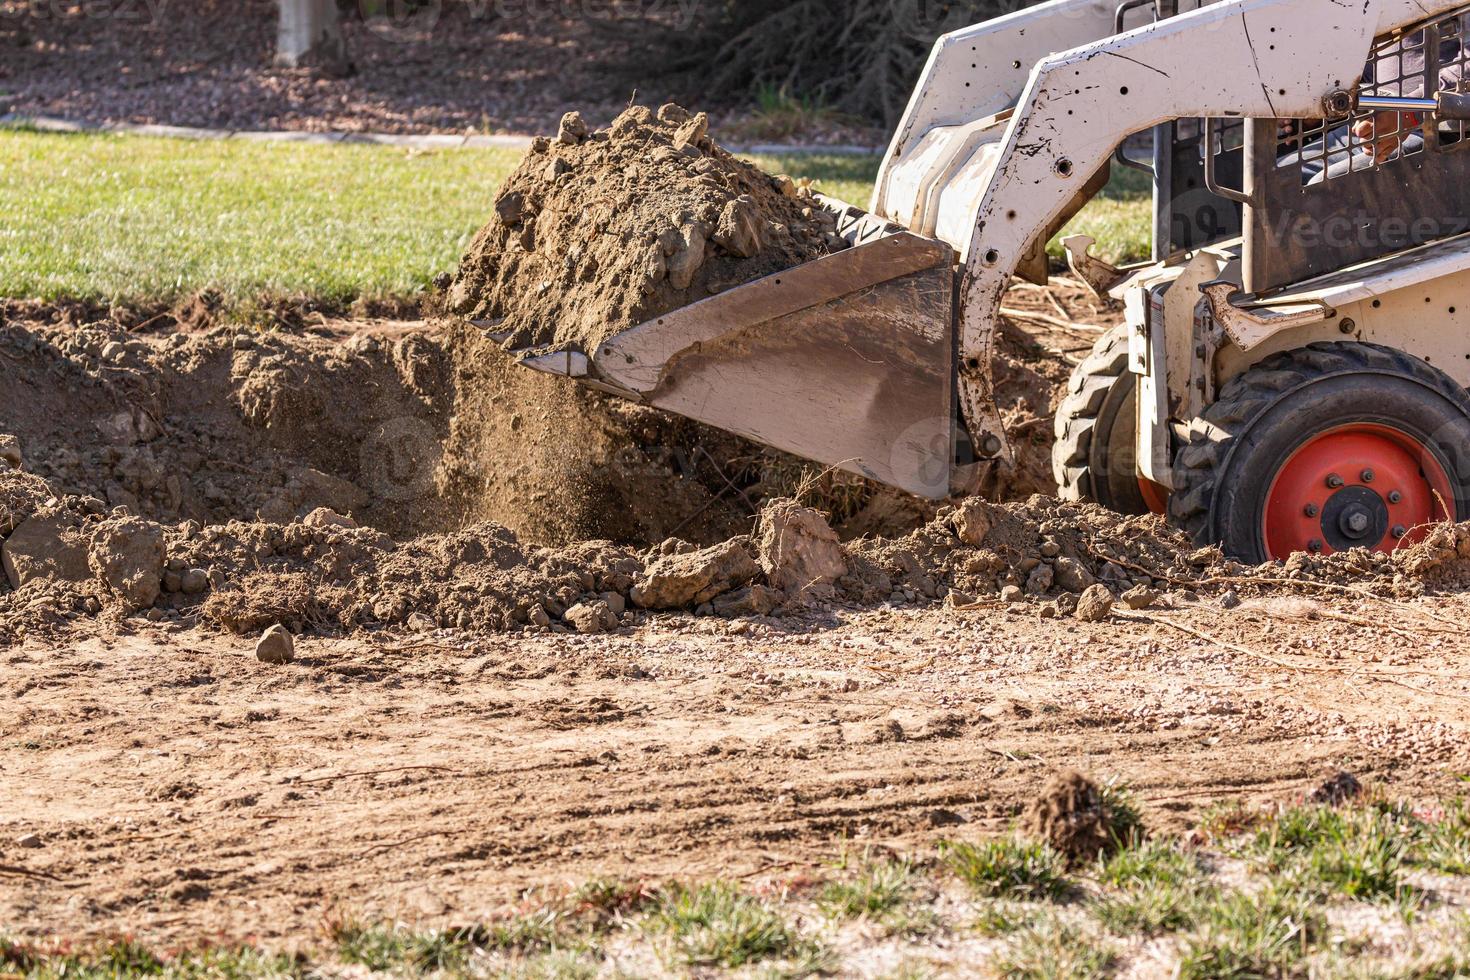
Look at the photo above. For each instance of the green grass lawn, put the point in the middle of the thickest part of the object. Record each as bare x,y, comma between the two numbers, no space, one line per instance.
143,220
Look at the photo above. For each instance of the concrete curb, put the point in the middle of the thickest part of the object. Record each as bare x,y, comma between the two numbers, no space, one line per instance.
48,124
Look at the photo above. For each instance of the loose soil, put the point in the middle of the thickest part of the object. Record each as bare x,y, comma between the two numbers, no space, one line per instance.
445,737
598,232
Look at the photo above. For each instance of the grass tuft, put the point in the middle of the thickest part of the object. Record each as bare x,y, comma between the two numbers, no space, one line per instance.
1243,936
1360,853
1008,868
1050,951
1443,843
878,888
1159,887
718,925
127,958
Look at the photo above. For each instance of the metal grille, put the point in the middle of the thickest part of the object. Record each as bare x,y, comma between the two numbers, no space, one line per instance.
1414,63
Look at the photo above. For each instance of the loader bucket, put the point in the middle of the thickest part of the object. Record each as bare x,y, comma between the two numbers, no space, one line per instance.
847,360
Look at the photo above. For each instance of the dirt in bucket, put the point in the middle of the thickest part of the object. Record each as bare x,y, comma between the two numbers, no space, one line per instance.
596,232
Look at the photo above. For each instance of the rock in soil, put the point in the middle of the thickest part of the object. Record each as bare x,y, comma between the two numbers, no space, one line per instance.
798,549
10,451
1094,605
48,547
591,617
1139,597
681,581
21,495
595,233
275,646
127,555
1070,814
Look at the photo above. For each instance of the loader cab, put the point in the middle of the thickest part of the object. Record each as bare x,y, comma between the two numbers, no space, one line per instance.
1302,194
1315,398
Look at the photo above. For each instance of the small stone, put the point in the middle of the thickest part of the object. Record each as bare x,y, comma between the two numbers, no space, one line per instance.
572,129
678,580
739,229
510,208
28,840
173,581
539,617
127,554
422,622
1048,610
591,617
972,520
1072,575
1094,605
327,517
616,604
47,546
10,451
275,646
1012,593
1139,597
193,581
1050,549
1040,579
1229,600
798,550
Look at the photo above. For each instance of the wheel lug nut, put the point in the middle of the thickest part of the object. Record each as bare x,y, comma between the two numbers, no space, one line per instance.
1334,481
1394,496
1367,476
1399,531
1310,510
1314,546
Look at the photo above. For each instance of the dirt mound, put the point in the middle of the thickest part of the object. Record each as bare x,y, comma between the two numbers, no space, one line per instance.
595,233
1072,815
336,578
1040,546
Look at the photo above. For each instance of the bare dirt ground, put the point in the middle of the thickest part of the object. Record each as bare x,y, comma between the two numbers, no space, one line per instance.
181,789
178,788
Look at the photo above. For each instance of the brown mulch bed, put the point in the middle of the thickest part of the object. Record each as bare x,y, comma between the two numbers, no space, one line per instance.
453,67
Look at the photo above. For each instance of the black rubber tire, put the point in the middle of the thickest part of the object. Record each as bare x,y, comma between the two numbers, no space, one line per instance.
1224,472
1094,457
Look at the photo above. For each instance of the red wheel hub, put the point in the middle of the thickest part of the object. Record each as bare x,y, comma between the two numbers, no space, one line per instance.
1356,486
1155,495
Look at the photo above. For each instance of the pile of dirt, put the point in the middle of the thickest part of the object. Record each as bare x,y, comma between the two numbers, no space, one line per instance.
597,232
1072,814
1038,547
409,430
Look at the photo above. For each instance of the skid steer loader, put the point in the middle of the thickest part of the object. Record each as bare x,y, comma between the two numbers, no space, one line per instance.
1291,373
